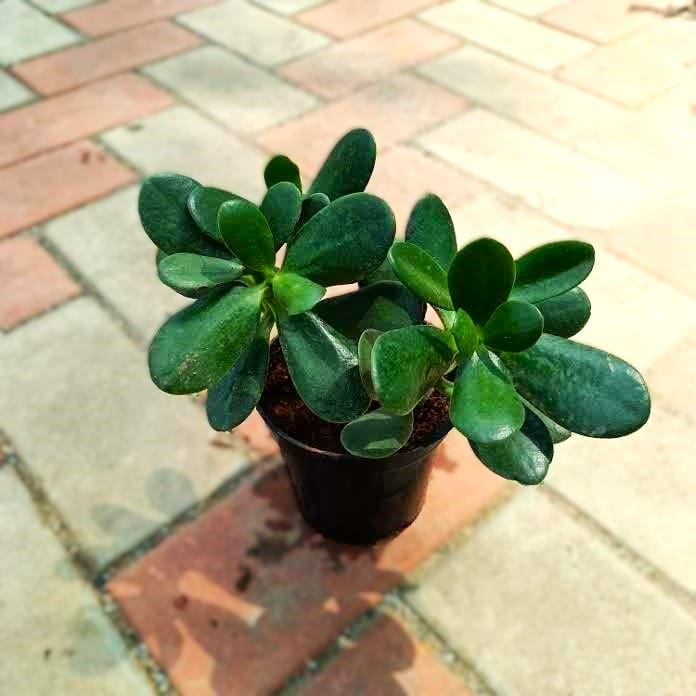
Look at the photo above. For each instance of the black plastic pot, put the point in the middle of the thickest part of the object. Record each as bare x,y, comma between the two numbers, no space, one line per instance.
353,500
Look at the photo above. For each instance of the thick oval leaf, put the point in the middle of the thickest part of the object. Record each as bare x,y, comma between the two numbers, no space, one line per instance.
421,273
465,334
247,234
430,227
485,407
344,242
524,457
281,207
235,396
377,434
311,205
296,294
407,363
348,167
282,168
204,203
566,314
480,278
583,389
551,269
194,349
384,272
383,306
557,433
191,273
365,346
513,326
323,366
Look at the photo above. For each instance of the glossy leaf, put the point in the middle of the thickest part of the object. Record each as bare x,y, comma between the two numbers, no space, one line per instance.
197,346
480,278
311,205
377,434
247,234
204,203
465,334
566,314
485,407
281,207
191,273
430,227
383,306
296,294
421,273
344,242
557,433
323,366
282,168
365,346
524,457
383,272
407,363
348,167
552,269
583,389
513,326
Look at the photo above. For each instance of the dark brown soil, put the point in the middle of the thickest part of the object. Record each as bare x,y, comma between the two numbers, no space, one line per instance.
285,408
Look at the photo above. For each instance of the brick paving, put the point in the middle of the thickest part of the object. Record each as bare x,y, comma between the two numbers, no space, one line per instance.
147,554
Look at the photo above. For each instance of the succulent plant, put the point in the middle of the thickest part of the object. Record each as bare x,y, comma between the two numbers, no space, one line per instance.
367,358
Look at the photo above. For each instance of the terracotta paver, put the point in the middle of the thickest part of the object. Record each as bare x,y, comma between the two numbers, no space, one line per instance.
79,65
77,114
73,175
32,281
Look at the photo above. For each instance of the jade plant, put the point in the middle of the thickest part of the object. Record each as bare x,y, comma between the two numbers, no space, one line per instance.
501,355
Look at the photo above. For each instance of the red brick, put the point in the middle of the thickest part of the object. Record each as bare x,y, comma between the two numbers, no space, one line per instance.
114,15
78,114
79,65
32,281
386,660
37,189
237,601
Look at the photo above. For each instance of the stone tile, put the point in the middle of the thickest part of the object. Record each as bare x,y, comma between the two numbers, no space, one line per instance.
385,660
78,114
567,614
516,37
106,243
288,7
548,176
116,456
529,8
117,53
640,487
32,281
12,92
73,175
345,18
58,6
113,15
261,36
343,67
30,32
56,639
249,577
636,69
182,140
394,110
245,98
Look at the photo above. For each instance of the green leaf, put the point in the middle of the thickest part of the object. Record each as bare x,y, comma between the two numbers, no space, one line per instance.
465,334
481,277
247,234
235,396
365,346
204,203
430,227
383,306
191,273
583,389
485,406
525,456
566,314
193,349
282,168
383,272
348,167
407,363
377,434
557,433
552,269
311,205
344,242
421,273
513,326
281,207
295,293
323,366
